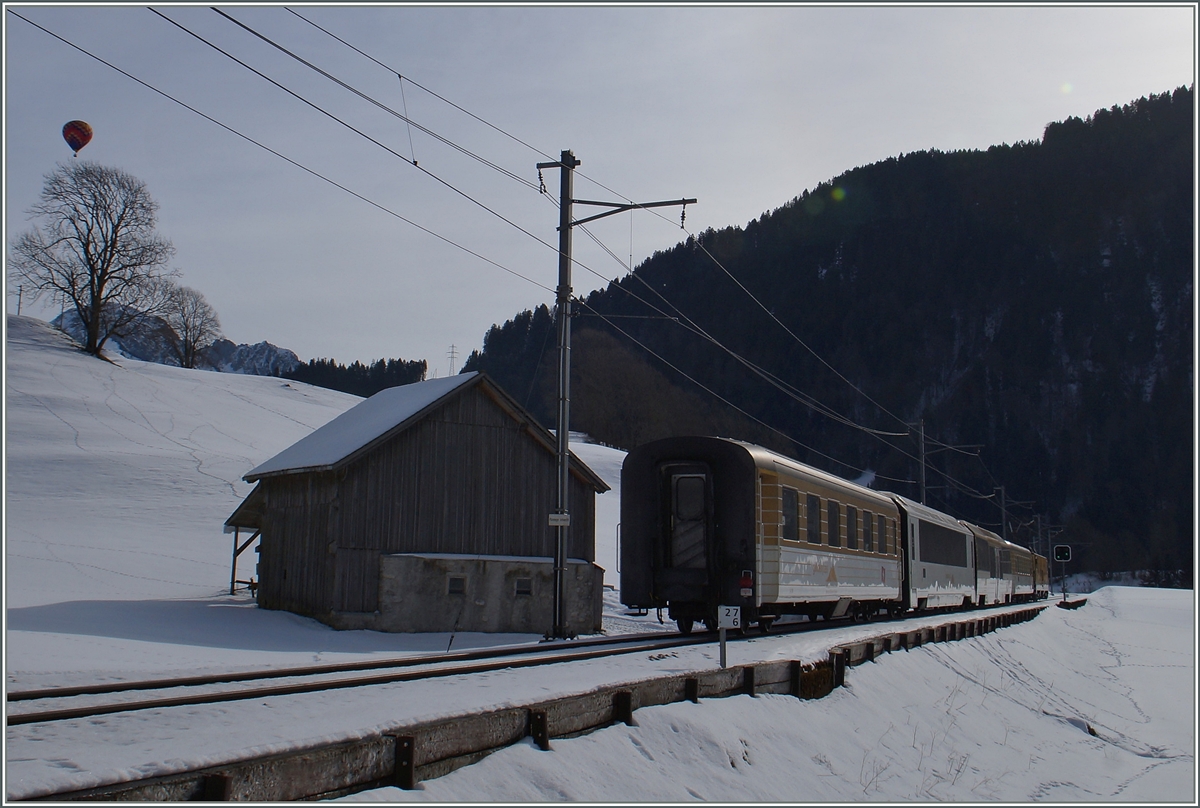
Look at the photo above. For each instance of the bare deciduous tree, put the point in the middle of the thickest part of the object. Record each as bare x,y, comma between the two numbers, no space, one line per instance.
94,249
194,322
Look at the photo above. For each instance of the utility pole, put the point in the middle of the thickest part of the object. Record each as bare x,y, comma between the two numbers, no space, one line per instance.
1003,515
921,437
453,354
561,518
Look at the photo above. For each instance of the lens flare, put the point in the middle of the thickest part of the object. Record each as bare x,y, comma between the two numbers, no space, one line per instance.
838,194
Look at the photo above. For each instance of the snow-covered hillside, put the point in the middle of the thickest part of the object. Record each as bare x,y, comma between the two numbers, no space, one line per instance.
95,449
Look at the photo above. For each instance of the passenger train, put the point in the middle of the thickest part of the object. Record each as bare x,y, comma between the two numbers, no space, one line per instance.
707,522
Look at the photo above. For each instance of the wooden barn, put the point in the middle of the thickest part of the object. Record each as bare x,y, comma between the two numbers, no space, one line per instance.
424,508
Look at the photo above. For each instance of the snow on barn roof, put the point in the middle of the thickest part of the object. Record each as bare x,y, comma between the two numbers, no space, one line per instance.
387,412
359,426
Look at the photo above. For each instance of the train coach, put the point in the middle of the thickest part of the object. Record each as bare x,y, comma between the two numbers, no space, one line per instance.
708,521
713,521
1007,572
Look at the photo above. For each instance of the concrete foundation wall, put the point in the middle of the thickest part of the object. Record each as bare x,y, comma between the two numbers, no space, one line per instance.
441,592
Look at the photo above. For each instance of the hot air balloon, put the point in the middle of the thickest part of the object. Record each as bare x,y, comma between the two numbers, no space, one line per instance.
77,134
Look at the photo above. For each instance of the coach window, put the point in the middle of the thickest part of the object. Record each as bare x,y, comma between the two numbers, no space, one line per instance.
868,541
835,524
812,508
852,527
881,524
791,514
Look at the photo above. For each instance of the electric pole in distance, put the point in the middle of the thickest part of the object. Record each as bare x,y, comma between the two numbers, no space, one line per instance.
560,520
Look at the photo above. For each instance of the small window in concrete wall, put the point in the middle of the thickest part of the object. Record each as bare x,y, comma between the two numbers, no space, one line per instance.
524,587
457,585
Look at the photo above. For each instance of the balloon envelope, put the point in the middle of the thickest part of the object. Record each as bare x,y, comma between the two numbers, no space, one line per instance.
77,134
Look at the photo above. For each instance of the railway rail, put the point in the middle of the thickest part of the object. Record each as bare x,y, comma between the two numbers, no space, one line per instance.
48,705
31,705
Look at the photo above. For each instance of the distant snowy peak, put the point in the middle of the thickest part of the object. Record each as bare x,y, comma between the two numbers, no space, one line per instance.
153,339
260,359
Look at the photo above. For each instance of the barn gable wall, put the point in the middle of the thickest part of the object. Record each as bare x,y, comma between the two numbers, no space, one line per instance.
467,478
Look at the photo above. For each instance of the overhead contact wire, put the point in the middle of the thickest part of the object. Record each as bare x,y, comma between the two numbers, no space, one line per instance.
390,69
357,131
369,99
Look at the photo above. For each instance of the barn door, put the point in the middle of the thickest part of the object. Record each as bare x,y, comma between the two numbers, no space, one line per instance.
689,521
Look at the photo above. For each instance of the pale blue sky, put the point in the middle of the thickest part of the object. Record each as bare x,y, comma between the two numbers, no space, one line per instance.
743,108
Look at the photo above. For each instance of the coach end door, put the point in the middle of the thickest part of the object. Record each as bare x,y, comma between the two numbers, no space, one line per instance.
687,528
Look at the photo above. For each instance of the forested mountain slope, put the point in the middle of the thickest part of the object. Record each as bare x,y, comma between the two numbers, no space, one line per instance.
1034,299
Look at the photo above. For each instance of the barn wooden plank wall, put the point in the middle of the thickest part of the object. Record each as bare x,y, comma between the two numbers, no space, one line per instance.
467,478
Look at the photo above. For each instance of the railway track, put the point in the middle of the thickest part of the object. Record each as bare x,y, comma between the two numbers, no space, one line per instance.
66,703
48,705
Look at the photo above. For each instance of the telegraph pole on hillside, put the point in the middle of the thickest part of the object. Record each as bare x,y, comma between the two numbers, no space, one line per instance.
561,518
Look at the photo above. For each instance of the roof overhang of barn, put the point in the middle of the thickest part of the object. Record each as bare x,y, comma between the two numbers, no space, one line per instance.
249,514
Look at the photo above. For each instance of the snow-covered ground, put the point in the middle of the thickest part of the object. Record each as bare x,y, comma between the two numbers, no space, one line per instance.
118,480
1001,718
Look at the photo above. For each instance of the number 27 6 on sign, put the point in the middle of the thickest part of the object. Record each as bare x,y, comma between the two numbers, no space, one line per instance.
729,617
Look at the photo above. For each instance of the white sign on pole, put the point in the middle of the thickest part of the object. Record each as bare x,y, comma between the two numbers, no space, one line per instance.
729,617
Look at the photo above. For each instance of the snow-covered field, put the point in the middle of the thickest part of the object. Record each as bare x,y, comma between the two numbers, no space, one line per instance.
118,479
